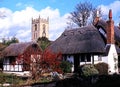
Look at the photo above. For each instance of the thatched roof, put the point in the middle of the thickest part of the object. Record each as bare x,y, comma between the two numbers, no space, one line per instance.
16,49
103,24
83,40
2,47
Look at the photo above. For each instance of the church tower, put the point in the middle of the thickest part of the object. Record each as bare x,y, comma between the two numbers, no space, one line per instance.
40,28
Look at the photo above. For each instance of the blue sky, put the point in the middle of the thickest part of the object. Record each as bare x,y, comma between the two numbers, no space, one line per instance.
18,14
64,6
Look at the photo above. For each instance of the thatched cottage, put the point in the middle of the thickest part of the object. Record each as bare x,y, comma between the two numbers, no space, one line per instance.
92,44
22,51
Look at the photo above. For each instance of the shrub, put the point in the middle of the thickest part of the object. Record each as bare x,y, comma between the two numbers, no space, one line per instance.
66,66
102,68
89,70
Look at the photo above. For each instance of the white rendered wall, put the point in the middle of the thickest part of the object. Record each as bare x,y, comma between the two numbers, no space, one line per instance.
112,60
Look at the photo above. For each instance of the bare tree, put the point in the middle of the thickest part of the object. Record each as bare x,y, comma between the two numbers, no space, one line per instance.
82,13
70,23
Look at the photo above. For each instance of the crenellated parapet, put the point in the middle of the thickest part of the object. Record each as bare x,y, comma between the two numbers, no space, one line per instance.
34,21
37,20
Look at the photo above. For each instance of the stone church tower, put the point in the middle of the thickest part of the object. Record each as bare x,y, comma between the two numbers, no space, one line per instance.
40,28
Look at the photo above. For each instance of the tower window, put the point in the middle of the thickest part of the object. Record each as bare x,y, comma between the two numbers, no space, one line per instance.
35,27
44,29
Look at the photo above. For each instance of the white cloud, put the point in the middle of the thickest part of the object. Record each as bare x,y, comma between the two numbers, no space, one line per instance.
18,23
57,23
115,9
52,13
5,21
22,33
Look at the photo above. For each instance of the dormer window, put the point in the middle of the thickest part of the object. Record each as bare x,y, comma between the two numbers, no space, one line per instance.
101,30
72,33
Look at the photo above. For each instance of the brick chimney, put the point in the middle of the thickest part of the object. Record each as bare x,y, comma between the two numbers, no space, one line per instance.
96,18
110,29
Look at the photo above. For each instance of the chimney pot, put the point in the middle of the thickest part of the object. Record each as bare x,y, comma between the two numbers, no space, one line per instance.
110,14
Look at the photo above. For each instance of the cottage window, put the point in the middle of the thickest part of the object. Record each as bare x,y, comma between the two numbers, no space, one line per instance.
85,58
82,59
12,60
72,33
88,56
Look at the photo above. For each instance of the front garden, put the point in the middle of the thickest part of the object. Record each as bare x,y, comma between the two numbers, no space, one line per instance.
74,81
46,76
18,81
10,79
87,76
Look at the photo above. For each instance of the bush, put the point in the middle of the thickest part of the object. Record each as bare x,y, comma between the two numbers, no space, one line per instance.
102,68
88,70
66,66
